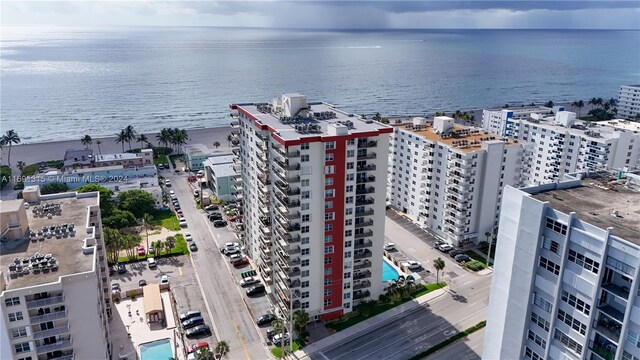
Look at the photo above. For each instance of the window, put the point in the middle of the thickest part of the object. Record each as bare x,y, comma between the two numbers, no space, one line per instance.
347,275
350,165
328,238
348,233
16,316
328,227
19,332
350,177
304,273
304,146
328,204
556,226
347,243
304,252
550,245
568,342
584,261
575,302
327,302
348,222
328,271
328,157
305,294
305,262
541,303
351,153
304,229
348,211
305,182
633,339
306,217
305,284
304,158
304,206
330,145
330,169
306,195
328,260
530,354
328,249
329,193
572,322
537,339
327,292
305,305
328,281
329,216
538,320
351,142
22,347
627,356
347,254
12,301
549,265
328,181
304,240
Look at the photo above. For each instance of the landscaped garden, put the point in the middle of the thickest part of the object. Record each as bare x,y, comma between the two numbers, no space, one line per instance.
478,262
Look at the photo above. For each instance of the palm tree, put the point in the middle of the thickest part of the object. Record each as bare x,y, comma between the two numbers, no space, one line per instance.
98,142
86,141
169,243
216,144
549,104
146,224
163,137
130,133
300,318
121,138
21,165
142,138
222,348
229,139
8,139
204,353
278,328
579,105
439,265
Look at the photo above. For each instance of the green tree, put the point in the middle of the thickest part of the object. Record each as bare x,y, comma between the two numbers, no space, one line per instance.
106,197
8,139
130,134
143,140
146,220
131,243
5,175
229,139
279,328
578,105
86,141
21,165
222,348
119,219
438,264
121,138
137,202
204,353
549,104
216,144
300,319
169,243
53,188
112,242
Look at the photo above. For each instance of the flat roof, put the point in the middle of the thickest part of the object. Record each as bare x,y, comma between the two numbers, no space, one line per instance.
220,159
621,124
223,170
287,131
114,157
8,206
151,298
591,130
475,137
524,109
594,200
196,149
68,251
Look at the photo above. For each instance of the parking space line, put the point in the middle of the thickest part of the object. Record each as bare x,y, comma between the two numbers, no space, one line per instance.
244,348
180,270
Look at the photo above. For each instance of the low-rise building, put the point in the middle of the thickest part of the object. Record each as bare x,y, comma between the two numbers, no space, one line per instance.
55,293
196,154
75,159
566,275
78,159
223,177
629,101
449,178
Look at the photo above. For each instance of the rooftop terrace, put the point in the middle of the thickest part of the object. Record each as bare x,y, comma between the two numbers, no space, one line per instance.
596,200
66,249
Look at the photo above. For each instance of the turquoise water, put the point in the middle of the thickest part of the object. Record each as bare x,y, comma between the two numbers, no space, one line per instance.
388,272
156,350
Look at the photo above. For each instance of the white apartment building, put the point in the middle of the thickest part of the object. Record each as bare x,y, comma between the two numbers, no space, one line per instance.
314,202
495,120
629,101
449,178
562,145
565,280
55,296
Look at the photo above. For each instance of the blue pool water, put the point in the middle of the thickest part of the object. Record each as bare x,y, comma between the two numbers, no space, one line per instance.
156,350
388,272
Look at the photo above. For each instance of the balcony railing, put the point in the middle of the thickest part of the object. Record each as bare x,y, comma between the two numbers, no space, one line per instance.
363,224
363,265
608,328
364,212
363,255
48,317
60,345
45,302
370,155
362,285
51,332
363,234
362,202
367,144
361,295
368,190
362,275
605,352
365,179
621,291
369,167
363,244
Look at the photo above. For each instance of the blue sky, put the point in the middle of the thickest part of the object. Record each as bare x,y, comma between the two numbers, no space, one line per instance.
544,14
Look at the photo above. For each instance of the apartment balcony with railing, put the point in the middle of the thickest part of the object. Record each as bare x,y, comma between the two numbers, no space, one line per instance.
364,155
362,285
617,285
611,307
57,346
361,201
359,275
368,167
364,144
363,212
40,317
36,301
365,179
365,264
363,234
264,180
365,190
58,330
360,224
362,254
363,244
266,231
286,165
360,294
266,259
603,348
608,327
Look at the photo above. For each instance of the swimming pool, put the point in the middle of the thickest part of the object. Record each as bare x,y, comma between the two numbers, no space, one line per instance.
156,350
388,271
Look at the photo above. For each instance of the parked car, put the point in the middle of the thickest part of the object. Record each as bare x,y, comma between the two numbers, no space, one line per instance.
235,218
176,170
445,247
193,246
232,251
188,237
176,206
389,246
142,283
278,338
152,250
254,290
182,221
229,246
455,252
141,251
249,281
194,348
164,279
266,319
189,323
199,330
438,243
188,315
215,217
241,262
211,207
152,263
196,193
235,257
121,268
462,258
111,270
179,213
115,288
412,265
167,183
271,332
219,223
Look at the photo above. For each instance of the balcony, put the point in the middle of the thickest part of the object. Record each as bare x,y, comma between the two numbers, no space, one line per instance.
266,231
607,327
611,311
617,290
264,180
364,212
286,165
367,144
363,234
366,201
60,345
369,167
363,223
363,244
362,265
362,254
365,179
361,295
365,156
51,332
362,285
607,352
362,275
368,190
45,302
48,317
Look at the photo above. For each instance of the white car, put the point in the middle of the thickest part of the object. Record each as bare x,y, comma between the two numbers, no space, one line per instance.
412,265
167,182
164,279
277,338
182,221
230,248
235,257
188,237
249,281
445,247
389,246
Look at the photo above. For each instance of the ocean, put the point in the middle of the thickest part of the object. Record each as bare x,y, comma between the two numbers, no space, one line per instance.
59,83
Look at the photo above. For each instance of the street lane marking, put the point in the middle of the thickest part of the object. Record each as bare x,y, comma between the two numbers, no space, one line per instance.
244,348
180,270
323,356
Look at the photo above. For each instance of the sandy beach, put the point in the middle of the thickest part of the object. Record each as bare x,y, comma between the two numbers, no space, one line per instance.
33,153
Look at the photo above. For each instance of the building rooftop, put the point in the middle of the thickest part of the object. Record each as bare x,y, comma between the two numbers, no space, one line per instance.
8,206
621,124
197,149
78,156
220,159
222,170
313,120
595,200
524,109
115,157
66,250
586,129
465,138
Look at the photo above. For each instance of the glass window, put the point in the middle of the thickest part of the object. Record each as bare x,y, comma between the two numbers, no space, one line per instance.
328,181
304,158
304,146
328,157
12,301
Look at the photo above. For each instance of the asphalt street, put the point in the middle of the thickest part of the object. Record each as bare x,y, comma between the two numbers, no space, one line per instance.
469,348
230,317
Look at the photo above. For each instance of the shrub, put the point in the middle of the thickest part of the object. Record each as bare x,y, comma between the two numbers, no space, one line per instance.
18,186
475,265
138,202
53,188
119,219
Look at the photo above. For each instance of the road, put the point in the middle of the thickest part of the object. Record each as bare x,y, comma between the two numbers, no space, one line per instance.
469,348
231,319
420,328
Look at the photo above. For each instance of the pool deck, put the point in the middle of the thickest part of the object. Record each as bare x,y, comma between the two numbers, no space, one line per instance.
129,319
397,269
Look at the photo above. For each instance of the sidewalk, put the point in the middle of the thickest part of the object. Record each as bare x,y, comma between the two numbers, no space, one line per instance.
367,324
